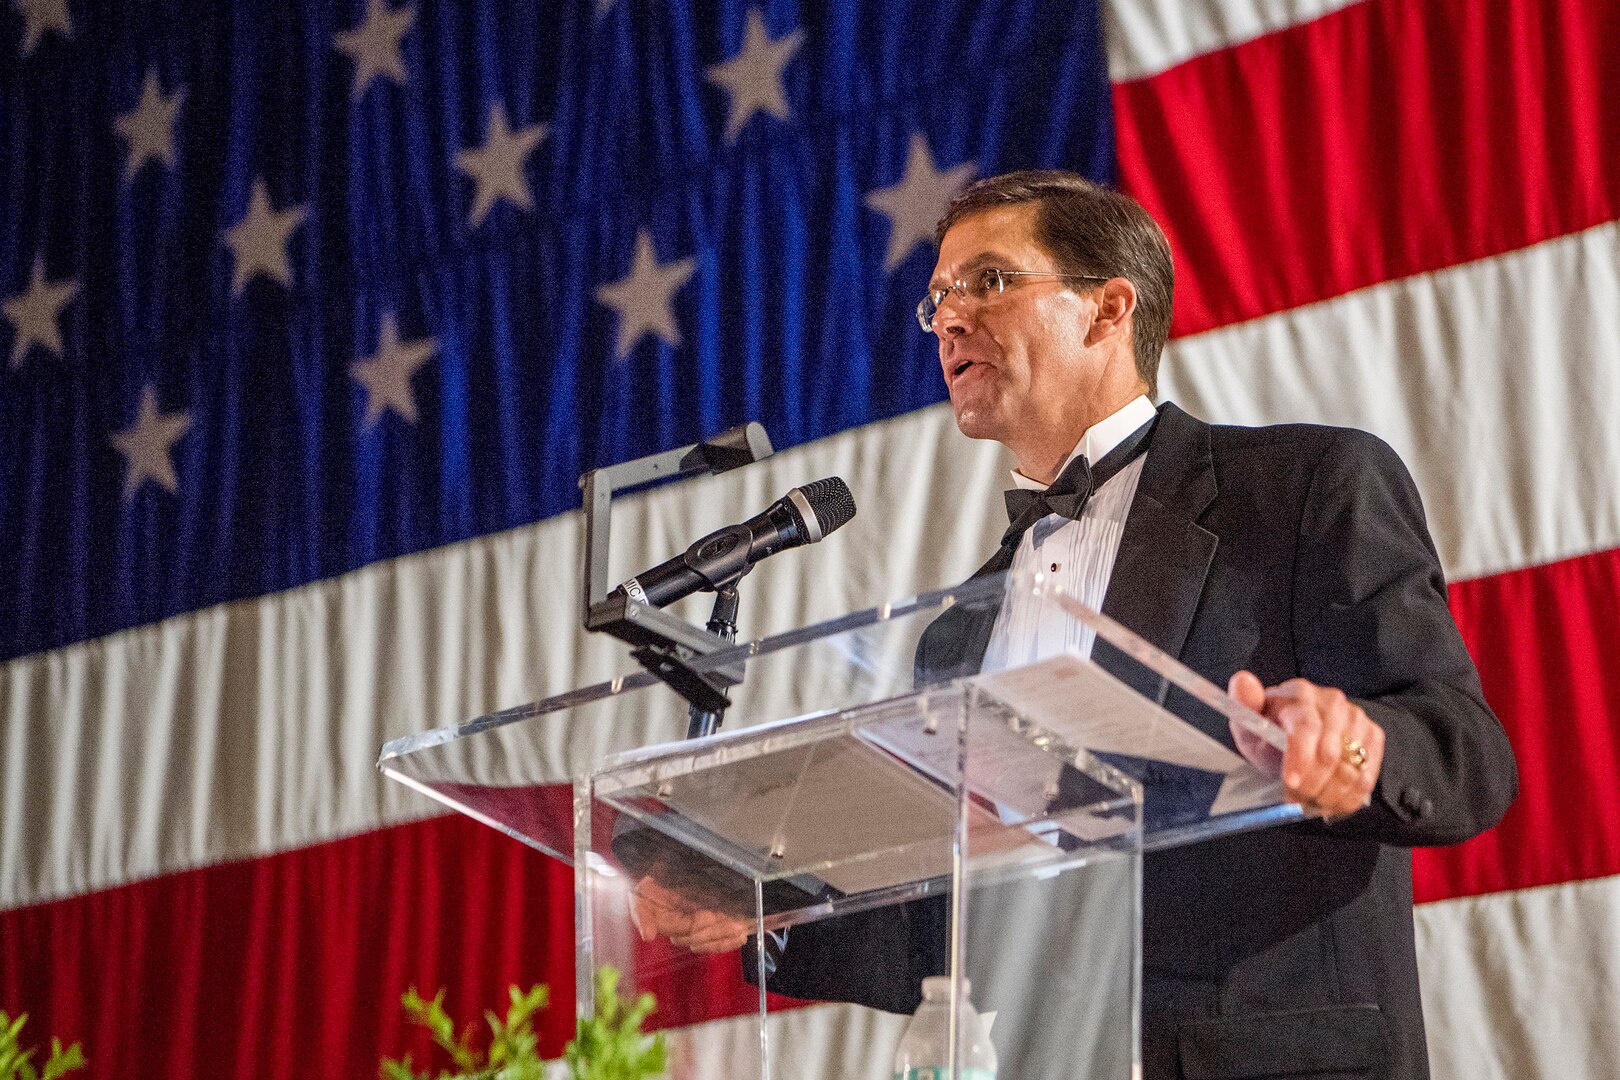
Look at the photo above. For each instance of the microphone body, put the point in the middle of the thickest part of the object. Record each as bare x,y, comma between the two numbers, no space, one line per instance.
803,516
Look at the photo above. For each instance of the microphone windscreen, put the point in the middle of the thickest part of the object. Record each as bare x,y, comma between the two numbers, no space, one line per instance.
831,502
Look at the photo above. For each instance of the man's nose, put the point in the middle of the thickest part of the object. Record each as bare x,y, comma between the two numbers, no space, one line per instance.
953,317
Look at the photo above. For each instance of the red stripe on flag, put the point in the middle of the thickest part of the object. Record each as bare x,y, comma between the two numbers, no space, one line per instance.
1544,640
292,965
1386,139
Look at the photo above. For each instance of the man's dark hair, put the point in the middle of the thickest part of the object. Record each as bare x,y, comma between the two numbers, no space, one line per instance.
1093,230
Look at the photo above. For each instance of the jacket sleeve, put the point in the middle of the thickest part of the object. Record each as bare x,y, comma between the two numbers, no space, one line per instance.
877,958
1371,618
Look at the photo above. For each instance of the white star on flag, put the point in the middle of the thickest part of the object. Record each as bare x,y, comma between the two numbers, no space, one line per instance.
915,204
148,444
35,314
149,126
259,240
40,16
373,45
386,374
753,77
497,166
643,298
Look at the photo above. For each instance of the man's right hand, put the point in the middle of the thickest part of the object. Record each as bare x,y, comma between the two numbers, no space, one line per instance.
659,911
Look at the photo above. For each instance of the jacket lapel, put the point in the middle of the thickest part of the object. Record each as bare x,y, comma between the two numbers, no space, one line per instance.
953,645
1164,554
1158,576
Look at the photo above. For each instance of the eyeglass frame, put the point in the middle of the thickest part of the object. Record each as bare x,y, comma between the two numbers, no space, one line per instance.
936,297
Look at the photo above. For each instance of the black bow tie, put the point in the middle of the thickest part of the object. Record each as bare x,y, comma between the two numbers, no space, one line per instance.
1066,497
1072,489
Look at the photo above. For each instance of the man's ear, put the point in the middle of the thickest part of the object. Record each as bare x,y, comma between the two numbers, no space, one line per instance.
1116,303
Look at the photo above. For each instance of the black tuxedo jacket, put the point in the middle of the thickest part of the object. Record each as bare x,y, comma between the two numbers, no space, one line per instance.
1290,551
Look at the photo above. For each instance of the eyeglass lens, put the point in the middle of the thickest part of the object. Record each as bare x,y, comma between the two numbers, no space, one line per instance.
976,286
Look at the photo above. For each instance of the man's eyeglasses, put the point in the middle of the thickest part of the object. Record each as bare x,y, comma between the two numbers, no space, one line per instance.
981,284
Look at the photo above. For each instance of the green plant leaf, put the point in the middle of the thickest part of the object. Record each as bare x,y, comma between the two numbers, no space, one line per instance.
17,1063
514,1048
63,1061
399,1070
610,1045
13,1061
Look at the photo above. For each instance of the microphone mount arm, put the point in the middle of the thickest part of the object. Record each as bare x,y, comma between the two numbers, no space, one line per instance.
662,643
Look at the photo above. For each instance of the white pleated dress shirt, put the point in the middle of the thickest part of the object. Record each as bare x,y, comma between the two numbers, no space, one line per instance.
1077,556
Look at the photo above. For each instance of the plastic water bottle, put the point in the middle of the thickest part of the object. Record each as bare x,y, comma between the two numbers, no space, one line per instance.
925,1048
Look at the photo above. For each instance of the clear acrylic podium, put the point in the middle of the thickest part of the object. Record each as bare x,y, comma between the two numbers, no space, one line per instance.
889,799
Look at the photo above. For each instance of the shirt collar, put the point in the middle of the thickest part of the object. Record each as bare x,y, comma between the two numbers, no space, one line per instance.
1099,438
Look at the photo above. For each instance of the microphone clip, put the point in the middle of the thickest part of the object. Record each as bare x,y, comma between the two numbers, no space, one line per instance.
721,558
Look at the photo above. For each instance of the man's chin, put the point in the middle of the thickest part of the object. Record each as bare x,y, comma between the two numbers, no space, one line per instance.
977,423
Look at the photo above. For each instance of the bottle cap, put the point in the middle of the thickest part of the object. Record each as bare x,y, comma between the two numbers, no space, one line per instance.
938,988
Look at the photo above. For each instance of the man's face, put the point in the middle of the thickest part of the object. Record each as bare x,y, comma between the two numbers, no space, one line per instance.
1016,364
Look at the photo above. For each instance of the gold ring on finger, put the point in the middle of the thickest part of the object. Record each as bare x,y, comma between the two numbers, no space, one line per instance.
1354,754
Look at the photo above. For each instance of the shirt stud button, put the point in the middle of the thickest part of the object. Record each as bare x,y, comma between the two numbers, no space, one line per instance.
1054,568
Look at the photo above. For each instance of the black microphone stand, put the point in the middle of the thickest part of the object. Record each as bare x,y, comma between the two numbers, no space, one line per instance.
723,624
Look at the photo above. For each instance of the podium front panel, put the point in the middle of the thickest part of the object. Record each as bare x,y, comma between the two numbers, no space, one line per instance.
938,833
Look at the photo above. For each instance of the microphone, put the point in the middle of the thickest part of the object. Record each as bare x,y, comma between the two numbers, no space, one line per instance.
802,516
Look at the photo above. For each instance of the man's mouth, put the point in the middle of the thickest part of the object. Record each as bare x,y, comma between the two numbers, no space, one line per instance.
963,366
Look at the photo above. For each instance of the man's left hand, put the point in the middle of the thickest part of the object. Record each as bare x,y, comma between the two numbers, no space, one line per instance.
660,911
1334,749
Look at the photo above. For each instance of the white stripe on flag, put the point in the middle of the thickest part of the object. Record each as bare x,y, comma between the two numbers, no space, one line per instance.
1523,984
1494,380
844,1041
1146,37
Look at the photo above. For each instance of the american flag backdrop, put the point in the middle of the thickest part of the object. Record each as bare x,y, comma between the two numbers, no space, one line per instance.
313,312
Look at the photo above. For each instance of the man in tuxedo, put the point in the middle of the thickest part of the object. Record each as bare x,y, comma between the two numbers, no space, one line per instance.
1290,563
